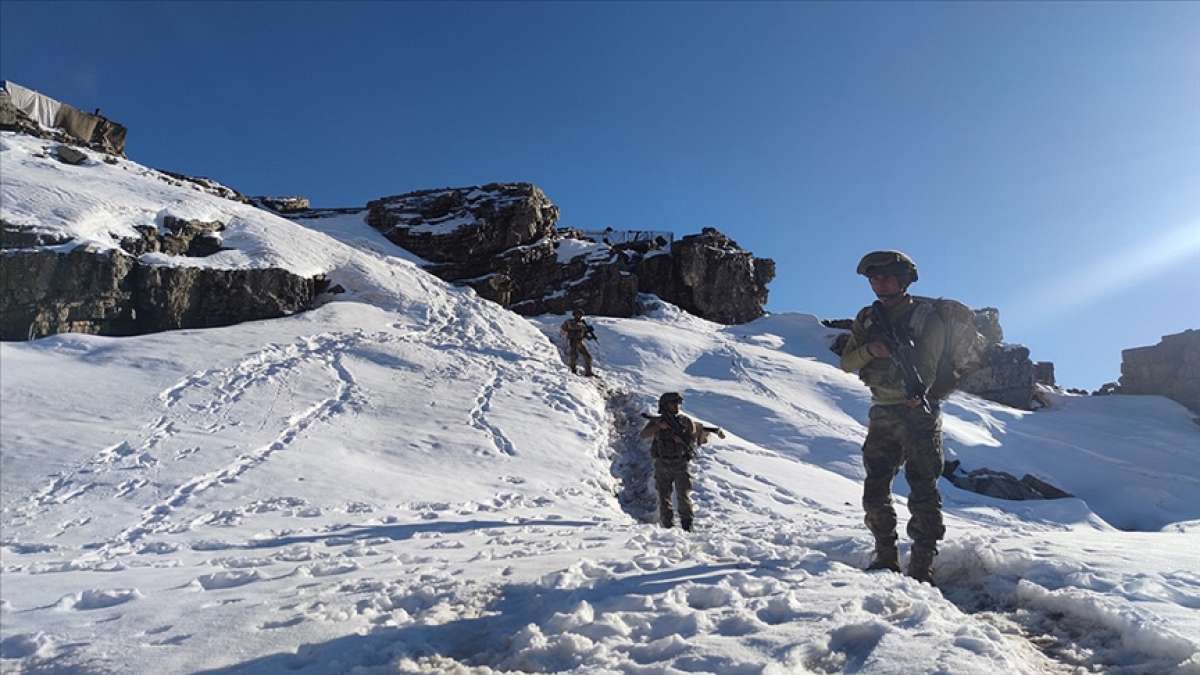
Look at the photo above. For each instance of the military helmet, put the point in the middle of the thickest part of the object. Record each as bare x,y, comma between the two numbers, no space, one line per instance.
670,397
577,312
888,262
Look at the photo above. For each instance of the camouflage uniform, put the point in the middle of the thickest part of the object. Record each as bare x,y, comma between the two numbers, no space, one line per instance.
897,433
576,330
672,449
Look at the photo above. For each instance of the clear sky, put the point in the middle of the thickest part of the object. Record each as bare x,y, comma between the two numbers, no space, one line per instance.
1041,158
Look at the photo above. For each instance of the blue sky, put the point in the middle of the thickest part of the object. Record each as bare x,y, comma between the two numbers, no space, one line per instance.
1040,158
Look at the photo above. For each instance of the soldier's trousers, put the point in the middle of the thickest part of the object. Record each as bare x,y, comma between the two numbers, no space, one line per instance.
898,435
574,351
670,478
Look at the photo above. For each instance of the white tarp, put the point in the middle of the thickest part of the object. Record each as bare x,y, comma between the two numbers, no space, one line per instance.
42,108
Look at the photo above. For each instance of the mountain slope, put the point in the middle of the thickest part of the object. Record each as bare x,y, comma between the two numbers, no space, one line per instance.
408,479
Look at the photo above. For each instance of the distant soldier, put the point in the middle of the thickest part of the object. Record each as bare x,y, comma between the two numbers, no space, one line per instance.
576,330
895,345
676,437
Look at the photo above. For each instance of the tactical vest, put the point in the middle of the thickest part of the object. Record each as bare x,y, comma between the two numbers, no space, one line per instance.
576,330
962,353
676,445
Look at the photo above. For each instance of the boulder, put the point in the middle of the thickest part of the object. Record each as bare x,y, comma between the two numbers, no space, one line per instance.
1171,368
69,155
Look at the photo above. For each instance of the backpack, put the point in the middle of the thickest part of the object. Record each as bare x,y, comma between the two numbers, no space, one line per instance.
964,350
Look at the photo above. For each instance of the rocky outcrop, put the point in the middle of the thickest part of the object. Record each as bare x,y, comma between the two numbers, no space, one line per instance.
1043,373
293,204
709,275
81,291
465,226
192,238
987,322
1000,484
1171,368
45,290
500,239
1007,377
19,236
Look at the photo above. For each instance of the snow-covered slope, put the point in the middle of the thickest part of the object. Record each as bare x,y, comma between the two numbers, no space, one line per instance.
408,479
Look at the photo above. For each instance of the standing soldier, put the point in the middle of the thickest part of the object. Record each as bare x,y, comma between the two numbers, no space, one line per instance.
676,437
895,345
576,330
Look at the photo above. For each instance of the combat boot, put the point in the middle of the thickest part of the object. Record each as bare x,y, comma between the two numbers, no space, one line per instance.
686,525
886,558
920,563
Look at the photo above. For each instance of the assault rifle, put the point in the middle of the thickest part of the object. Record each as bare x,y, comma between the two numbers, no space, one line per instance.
711,430
590,334
903,354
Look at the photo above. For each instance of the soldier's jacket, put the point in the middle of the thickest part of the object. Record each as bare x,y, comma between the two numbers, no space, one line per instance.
676,446
883,376
575,329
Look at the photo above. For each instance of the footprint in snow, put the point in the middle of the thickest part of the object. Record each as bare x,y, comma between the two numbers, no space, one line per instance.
97,599
227,579
272,625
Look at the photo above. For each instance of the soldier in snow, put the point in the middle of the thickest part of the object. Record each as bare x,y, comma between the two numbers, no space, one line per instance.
676,437
895,345
576,331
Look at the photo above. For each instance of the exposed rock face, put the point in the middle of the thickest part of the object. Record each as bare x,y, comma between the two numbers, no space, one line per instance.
709,275
1000,484
1171,368
193,238
465,225
1007,377
1043,373
17,236
987,322
83,291
294,204
44,291
500,240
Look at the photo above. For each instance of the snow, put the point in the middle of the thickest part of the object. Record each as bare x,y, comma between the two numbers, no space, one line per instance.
568,249
407,479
